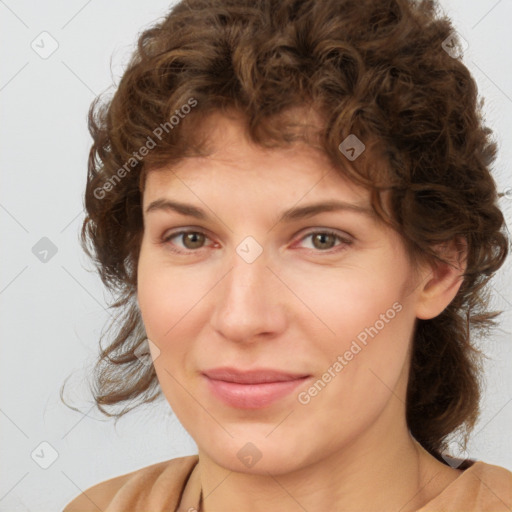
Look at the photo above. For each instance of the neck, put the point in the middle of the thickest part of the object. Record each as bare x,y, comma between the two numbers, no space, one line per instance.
372,474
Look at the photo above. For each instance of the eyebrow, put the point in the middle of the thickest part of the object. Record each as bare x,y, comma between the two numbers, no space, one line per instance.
292,214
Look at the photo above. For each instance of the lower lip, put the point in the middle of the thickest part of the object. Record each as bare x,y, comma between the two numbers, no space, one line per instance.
252,396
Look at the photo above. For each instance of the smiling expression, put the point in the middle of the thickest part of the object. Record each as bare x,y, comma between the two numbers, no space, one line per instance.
256,259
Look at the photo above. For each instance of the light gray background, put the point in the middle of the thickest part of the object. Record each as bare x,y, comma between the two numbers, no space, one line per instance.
53,312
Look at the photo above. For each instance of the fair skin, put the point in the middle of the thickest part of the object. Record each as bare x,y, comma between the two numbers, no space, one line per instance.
297,307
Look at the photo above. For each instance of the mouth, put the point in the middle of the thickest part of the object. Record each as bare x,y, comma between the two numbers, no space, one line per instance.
251,389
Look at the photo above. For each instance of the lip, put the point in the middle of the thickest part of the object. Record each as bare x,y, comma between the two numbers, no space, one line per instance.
251,389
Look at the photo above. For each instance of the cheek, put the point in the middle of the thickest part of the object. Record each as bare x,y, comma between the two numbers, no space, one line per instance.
360,331
166,295
153,299
362,366
348,303
166,298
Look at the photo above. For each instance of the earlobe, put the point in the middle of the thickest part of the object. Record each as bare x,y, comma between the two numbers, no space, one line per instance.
443,280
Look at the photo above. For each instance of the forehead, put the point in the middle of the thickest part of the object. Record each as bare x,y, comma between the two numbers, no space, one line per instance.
235,165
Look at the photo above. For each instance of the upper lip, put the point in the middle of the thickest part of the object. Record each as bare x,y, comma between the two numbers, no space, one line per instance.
254,376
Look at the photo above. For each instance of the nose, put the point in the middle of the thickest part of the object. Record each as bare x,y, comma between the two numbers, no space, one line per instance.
249,302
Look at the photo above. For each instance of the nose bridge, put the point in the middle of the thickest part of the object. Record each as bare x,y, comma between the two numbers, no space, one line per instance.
248,299
247,279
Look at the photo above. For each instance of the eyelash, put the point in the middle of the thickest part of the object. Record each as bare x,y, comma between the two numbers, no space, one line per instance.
344,241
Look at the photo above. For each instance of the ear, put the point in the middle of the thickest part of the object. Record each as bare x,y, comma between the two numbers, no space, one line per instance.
441,281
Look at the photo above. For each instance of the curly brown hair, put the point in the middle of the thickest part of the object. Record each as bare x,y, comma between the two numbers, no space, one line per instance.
378,70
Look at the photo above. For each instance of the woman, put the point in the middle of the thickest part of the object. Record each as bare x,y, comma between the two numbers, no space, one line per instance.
293,200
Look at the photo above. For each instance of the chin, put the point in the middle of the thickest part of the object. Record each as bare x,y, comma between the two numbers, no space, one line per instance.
258,456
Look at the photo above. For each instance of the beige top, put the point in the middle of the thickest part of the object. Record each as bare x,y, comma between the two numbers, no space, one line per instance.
174,485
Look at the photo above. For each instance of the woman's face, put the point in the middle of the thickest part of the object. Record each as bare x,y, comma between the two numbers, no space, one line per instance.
266,281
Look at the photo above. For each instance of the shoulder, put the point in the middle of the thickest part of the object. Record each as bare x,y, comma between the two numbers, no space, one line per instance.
493,484
481,487
134,487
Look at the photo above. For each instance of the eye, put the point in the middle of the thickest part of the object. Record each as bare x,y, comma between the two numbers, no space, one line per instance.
192,241
325,240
